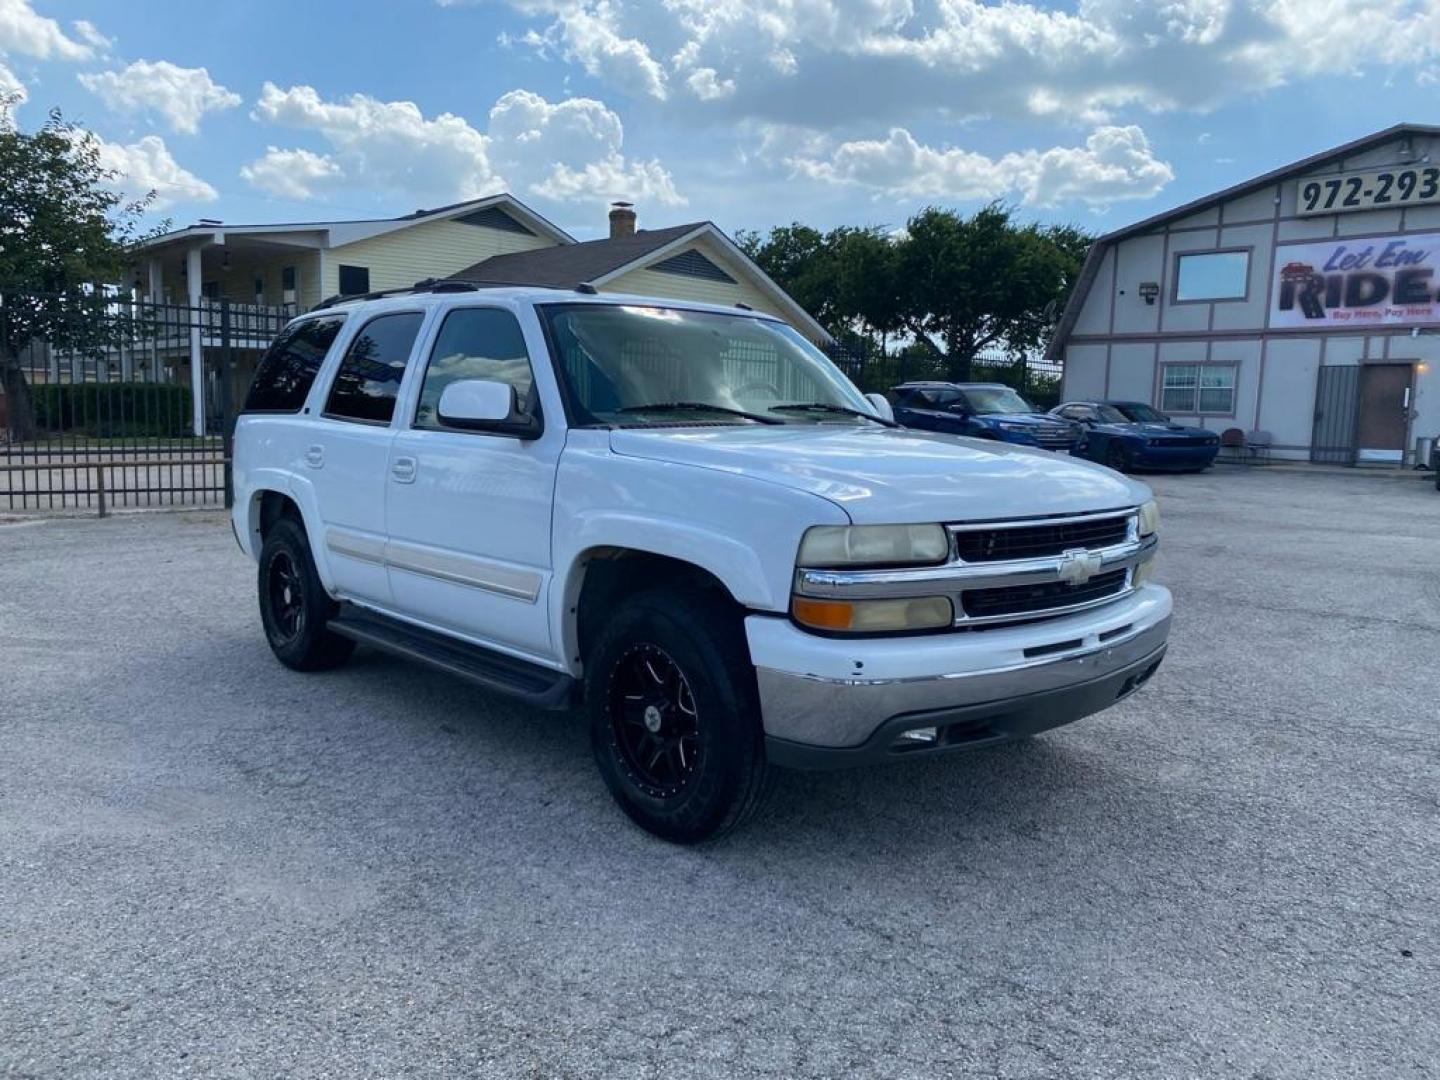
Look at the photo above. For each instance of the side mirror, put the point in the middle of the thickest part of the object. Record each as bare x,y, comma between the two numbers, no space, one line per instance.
485,405
881,406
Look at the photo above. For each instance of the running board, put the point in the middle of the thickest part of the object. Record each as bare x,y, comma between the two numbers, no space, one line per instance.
531,683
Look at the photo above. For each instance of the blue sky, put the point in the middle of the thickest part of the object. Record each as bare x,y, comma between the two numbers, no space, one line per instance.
751,113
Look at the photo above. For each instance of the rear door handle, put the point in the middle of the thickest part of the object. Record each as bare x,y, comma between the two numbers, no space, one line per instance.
315,455
402,470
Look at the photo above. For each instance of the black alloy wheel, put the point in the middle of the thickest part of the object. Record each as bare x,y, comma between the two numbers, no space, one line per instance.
654,721
674,713
1116,457
294,606
287,597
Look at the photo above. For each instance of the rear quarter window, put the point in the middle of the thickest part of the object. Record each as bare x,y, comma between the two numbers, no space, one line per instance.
287,370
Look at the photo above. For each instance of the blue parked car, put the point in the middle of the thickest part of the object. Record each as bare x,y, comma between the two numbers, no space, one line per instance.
982,410
1132,435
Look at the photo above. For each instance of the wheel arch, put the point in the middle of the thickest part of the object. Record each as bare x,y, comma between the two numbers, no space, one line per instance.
603,575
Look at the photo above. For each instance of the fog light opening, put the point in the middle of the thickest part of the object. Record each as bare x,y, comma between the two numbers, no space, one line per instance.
918,737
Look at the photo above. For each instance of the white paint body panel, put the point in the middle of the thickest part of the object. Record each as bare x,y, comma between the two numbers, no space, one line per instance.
488,537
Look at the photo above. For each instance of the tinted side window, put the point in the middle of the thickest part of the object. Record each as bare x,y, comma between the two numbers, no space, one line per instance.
369,376
286,371
476,343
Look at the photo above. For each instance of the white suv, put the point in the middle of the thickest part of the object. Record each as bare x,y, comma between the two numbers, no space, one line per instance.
687,519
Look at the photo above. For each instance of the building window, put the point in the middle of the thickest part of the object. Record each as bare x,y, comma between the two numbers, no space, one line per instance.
354,280
289,291
1211,275
1198,389
210,290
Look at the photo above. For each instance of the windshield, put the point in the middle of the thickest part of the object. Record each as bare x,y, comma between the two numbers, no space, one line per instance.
1143,414
1109,414
636,364
996,399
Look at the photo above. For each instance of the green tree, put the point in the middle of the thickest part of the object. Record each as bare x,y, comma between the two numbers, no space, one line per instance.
64,233
982,282
958,286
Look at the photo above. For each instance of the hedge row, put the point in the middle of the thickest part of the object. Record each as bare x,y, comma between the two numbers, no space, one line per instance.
113,409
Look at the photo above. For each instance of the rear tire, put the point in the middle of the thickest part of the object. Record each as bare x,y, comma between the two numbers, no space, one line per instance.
294,606
674,715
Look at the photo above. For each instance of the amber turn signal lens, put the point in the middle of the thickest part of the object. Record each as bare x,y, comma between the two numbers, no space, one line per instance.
823,614
873,616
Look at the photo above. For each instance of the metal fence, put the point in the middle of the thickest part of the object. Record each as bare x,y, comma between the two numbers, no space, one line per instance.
122,402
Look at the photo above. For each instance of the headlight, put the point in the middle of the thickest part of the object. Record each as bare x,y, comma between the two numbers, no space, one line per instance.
873,616
874,545
1150,518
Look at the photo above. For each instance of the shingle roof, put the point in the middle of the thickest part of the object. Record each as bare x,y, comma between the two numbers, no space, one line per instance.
570,264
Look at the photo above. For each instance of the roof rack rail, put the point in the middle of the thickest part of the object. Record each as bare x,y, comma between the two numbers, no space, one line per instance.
435,285
586,288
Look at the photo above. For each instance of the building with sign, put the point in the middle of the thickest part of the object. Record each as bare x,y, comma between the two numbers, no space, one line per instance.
1304,303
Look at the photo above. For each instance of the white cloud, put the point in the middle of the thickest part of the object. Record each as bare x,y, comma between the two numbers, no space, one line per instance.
826,64
146,166
292,174
572,149
593,34
10,85
87,32
391,144
181,95
23,31
1115,163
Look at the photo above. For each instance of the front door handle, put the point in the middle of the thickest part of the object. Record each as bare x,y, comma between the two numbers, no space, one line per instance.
315,455
402,470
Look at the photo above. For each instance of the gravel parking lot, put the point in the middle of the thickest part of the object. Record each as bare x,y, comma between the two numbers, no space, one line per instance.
212,866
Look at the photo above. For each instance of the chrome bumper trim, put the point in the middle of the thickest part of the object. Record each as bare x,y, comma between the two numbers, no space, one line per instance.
833,712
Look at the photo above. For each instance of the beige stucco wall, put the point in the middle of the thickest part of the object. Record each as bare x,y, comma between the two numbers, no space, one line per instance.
1118,340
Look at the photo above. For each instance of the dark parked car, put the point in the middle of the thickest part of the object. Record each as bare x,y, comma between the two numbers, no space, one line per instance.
1132,435
982,410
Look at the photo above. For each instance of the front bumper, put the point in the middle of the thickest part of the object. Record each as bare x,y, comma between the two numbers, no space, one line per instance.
829,702
1175,457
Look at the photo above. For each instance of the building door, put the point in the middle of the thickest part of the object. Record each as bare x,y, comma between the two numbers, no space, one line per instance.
1384,412
1332,441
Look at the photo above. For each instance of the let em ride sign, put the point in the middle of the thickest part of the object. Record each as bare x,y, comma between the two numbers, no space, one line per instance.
1390,280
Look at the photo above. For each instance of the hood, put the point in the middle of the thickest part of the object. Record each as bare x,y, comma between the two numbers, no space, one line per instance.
894,475
1033,419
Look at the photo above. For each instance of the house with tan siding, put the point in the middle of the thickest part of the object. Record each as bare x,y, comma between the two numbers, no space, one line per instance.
256,276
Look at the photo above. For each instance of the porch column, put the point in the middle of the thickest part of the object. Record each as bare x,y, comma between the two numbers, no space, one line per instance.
155,285
197,359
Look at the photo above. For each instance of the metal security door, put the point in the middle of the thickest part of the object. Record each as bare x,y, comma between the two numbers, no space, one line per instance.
1337,397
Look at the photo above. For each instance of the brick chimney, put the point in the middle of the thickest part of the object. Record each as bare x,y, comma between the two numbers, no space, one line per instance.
622,220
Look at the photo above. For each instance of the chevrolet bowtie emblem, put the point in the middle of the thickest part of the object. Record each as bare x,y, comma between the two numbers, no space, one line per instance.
1079,566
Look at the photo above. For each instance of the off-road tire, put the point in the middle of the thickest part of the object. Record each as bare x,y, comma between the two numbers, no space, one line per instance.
702,635
294,606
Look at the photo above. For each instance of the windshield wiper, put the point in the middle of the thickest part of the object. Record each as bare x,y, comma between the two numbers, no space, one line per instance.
701,406
825,406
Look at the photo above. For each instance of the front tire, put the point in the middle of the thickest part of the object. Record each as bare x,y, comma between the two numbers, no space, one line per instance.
1117,458
674,715
294,606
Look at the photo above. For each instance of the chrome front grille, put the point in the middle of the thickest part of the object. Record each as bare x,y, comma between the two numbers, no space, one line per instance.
1002,572
1003,542
1028,600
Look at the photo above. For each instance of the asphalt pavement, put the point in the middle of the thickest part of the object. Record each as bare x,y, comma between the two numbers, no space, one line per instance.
213,866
